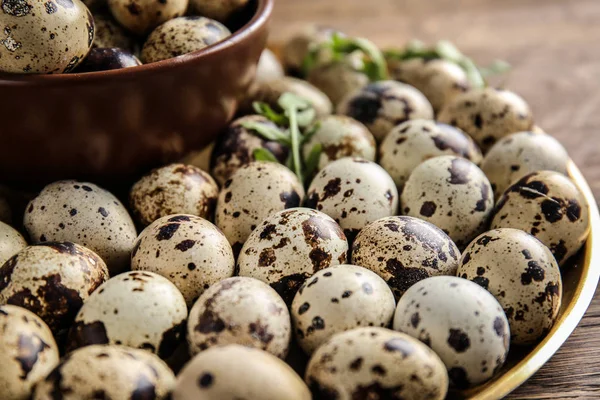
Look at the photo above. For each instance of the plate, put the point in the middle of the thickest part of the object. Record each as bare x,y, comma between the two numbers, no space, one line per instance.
580,279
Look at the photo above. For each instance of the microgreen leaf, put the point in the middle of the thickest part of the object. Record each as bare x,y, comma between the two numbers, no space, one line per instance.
262,154
290,100
374,65
447,51
266,111
306,117
266,131
310,131
312,161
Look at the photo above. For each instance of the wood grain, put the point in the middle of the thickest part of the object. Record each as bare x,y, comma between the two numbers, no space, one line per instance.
554,48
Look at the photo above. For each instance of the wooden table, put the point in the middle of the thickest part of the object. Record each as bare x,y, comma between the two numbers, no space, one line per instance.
554,47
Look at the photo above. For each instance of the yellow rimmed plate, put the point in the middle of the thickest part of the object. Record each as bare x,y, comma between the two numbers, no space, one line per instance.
579,285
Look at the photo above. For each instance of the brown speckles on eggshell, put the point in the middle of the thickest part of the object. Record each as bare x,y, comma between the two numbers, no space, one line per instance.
549,206
173,189
184,35
404,250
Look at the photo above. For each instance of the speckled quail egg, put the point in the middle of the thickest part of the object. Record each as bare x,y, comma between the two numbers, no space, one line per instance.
44,37
86,214
28,352
548,205
453,194
376,363
337,299
217,9
462,322
180,36
290,246
270,91
107,59
297,47
237,372
187,250
439,80
519,154
11,242
414,141
107,372
488,115
109,34
254,192
138,309
523,276
404,250
337,80
53,280
354,192
341,136
142,16
269,67
385,104
240,310
173,189
235,147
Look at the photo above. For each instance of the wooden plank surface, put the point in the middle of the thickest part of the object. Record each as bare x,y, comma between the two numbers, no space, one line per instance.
554,47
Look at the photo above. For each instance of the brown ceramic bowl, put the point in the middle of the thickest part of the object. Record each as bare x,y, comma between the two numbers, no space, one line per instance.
111,126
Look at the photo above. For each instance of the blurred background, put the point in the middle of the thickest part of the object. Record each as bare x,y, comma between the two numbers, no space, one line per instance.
552,45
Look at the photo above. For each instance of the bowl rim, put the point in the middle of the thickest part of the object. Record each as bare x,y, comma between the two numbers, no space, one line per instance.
259,19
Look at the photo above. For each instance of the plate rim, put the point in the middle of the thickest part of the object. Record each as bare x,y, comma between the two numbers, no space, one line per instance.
571,316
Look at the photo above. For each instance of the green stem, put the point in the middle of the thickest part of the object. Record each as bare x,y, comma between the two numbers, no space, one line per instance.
295,136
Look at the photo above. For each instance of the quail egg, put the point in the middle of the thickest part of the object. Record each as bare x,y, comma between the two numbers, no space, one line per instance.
142,16
519,154
109,33
269,67
270,92
462,322
439,80
376,363
11,242
173,189
107,372
53,280
523,276
337,299
414,141
337,79
86,214
451,193
488,115
237,372
548,205
180,36
385,104
340,136
254,192
354,192
404,250
189,251
240,310
107,59
234,148
218,9
44,37
28,352
138,309
290,246
297,47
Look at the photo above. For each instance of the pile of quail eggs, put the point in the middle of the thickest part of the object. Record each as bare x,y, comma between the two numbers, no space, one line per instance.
62,36
429,238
